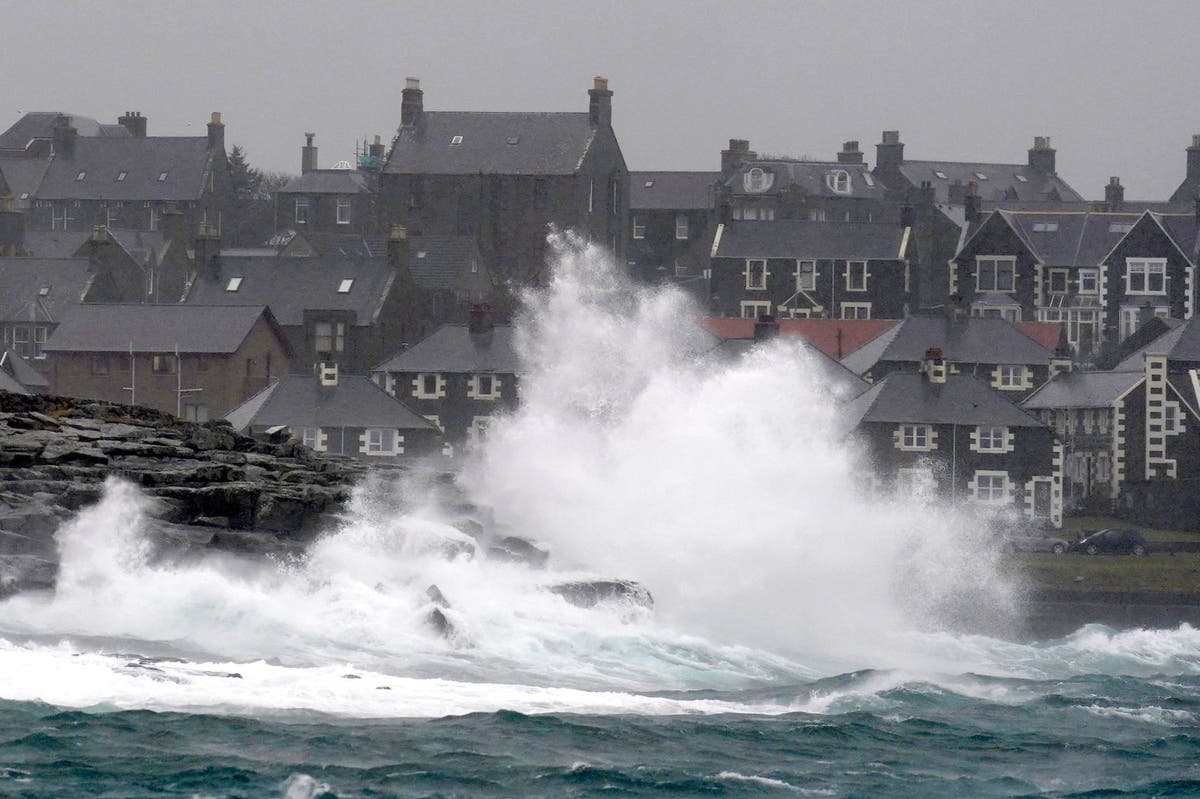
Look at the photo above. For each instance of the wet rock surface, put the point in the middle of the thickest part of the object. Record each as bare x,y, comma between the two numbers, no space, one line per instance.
210,486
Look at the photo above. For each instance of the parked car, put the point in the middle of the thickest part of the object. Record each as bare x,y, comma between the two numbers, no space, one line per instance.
1114,540
1030,541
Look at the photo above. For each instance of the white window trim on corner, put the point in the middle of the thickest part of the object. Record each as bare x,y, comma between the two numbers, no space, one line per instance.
419,386
639,228
996,438
1005,487
915,438
749,274
851,284
1145,267
374,440
343,204
474,392
757,308
801,274
856,306
993,262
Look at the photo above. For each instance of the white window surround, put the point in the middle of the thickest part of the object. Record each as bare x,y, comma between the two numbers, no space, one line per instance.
856,310
639,228
234,284
757,180
429,385
756,274
1089,281
343,210
806,275
915,437
838,181
301,211
1059,281
916,480
381,442
310,436
990,487
856,275
993,439
681,227
752,309
345,285
1146,276
1012,377
484,387
995,273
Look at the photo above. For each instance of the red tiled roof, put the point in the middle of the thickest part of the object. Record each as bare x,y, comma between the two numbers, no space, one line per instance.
1044,333
834,337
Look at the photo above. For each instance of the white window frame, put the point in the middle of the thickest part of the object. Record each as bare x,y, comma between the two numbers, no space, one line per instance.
332,333
301,205
856,310
476,386
310,437
420,389
761,283
1012,376
838,181
382,441
995,495
915,480
1089,281
346,285
343,205
639,228
757,180
752,309
992,264
806,275
1140,272
916,438
1063,277
992,438
681,227
853,284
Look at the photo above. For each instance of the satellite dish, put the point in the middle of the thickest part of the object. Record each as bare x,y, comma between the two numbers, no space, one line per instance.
342,165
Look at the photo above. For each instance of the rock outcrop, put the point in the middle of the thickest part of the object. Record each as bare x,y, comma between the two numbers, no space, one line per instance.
210,486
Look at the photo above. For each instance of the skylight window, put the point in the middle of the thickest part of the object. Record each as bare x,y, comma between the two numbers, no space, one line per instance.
649,184
234,284
1045,227
1022,178
421,254
44,291
1120,227
345,286
455,141
24,195
82,174
162,176
870,181
514,139
121,176
981,176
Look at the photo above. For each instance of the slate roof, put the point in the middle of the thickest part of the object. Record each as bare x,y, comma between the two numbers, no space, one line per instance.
10,384
289,286
347,245
301,401
666,191
155,328
808,176
1082,390
790,238
910,397
184,159
40,125
68,243
18,369
541,143
827,335
1180,343
23,279
444,263
22,176
1001,182
452,349
973,340
328,181
1079,239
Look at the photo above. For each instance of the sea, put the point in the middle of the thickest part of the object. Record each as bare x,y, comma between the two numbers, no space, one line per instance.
809,636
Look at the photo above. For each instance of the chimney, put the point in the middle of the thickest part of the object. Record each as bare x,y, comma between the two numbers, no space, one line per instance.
134,122
1193,159
12,229
933,366
972,203
411,102
327,373
926,194
479,319
850,153
308,154
1041,156
397,248
908,216
377,150
207,252
739,152
173,224
600,103
956,193
216,132
766,326
889,153
65,135
1114,194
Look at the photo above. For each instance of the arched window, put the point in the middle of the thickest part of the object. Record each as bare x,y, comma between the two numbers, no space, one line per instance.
838,181
757,179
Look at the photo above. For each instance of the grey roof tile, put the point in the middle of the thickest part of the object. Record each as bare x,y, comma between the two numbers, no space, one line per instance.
154,328
183,159
41,289
1003,181
301,401
973,340
453,349
803,239
40,125
20,370
1082,390
22,176
328,181
809,176
962,399
653,191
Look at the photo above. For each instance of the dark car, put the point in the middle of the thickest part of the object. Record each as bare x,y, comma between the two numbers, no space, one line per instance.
1114,540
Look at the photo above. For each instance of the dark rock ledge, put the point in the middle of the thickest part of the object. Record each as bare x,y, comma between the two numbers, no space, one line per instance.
211,487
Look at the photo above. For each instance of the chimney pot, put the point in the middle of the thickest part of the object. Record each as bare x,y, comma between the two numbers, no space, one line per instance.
412,102
479,319
933,366
1041,155
216,117
412,83
600,103
889,153
600,83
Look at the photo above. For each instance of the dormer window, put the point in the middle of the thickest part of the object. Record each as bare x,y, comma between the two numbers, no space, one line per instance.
82,174
162,176
838,181
121,176
1120,227
870,181
345,286
234,284
757,179
455,141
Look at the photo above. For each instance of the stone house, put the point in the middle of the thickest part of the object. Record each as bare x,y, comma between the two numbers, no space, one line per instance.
671,223
339,414
800,269
954,437
192,361
1151,272
338,200
504,178
458,377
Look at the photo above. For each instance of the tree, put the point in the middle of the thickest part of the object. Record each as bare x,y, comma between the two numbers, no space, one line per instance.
253,200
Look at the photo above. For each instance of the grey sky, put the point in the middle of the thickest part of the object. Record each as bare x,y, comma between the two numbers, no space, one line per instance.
1112,84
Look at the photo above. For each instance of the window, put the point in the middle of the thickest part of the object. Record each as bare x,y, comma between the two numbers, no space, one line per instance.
1089,281
309,436
44,291
455,141
163,364
329,337
381,441
483,387
856,276
639,228
870,181
995,273
121,176
343,210
816,215
1022,178
1146,275
1120,227
753,309
429,386
1058,281
981,176
757,180
58,218
591,195
111,216
1010,376
681,226
915,481
345,286
756,275
1133,317
234,284
616,196
100,365
162,176
806,276
856,310
991,486
753,212
20,339
940,174
195,413
153,218
915,436
82,174
838,181
1045,227
301,210
991,439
